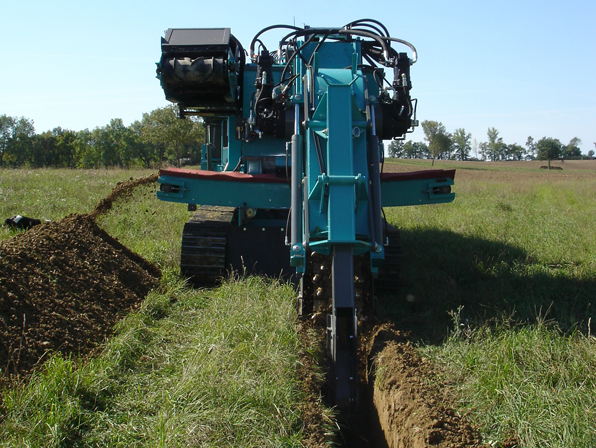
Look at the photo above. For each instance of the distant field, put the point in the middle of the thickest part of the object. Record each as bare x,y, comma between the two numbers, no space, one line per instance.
509,165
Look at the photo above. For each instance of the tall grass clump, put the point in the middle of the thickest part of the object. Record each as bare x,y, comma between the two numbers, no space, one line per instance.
532,382
190,368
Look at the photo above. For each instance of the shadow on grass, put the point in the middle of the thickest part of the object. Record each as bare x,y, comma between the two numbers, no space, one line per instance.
491,281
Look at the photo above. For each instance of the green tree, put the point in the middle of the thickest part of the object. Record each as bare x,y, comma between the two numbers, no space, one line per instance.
439,141
143,149
177,137
63,151
396,148
572,150
515,151
88,154
531,145
16,135
111,142
39,147
6,133
415,150
117,136
494,149
548,149
461,144
591,153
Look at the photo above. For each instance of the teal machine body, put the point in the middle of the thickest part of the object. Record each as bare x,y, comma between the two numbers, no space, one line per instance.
291,179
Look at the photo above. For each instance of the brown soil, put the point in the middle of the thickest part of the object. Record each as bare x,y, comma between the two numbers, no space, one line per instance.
402,402
317,424
414,411
63,285
122,190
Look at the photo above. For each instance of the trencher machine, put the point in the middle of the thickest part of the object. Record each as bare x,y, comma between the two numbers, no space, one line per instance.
291,180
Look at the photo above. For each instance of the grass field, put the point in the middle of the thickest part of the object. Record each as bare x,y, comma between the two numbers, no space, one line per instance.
498,291
207,368
502,288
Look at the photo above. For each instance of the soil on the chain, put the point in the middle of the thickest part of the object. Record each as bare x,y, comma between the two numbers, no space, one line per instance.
63,285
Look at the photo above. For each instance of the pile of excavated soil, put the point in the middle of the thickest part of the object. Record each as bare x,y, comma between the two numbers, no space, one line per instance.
63,285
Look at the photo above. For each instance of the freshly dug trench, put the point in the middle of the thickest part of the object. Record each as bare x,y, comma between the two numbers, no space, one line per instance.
413,412
63,285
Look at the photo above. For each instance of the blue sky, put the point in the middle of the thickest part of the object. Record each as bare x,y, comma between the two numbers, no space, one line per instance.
523,67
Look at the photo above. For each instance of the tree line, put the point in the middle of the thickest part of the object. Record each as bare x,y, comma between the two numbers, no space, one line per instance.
440,144
160,136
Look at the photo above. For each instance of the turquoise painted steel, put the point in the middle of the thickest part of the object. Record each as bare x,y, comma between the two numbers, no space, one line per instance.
338,196
415,192
337,193
255,195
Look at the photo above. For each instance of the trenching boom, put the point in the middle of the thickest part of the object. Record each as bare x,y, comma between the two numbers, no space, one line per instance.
291,179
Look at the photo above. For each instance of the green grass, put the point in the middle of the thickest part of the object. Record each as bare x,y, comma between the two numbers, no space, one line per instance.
190,368
513,251
503,247
53,194
531,382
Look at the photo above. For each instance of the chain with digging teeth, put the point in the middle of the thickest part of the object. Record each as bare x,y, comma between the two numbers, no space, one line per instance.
388,280
315,287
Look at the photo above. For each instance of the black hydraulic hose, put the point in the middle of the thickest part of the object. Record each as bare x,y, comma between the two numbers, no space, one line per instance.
263,46
317,49
369,29
407,44
272,27
313,32
376,37
367,22
297,52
